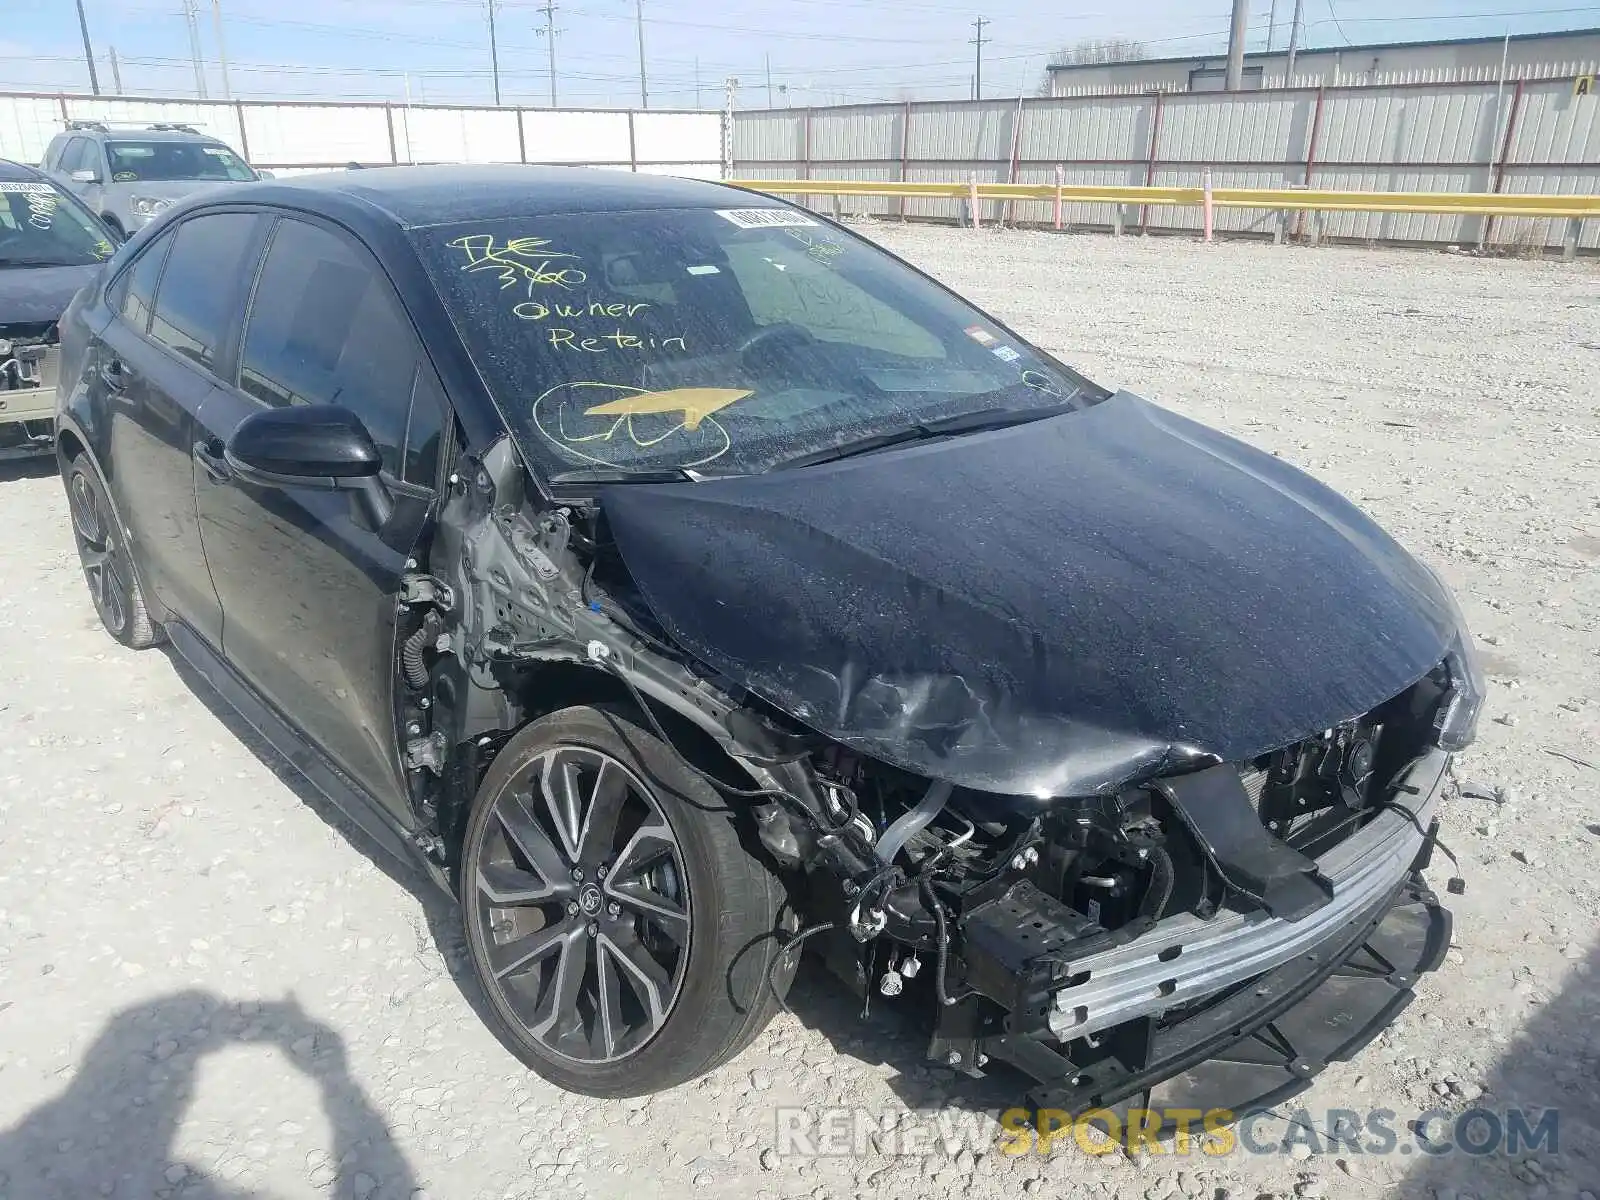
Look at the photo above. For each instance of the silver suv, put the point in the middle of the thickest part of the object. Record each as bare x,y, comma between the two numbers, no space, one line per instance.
128,174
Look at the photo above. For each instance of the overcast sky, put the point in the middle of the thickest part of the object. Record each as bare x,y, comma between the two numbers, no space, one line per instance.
821,51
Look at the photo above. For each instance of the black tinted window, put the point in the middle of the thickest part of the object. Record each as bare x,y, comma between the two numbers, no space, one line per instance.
135,289
195,305
425,432
326,328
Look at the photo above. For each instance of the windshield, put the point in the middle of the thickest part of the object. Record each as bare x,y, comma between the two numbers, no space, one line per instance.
41,226
146,161
717,341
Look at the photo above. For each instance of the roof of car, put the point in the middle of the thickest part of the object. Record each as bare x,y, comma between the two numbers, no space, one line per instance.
420,196
12,172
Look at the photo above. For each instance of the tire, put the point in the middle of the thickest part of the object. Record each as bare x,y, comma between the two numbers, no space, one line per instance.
647,1011
107,562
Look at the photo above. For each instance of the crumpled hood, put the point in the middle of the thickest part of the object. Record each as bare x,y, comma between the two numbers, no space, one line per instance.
1052,609
29,295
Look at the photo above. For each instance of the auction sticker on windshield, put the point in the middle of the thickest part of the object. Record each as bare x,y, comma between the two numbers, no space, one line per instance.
764,218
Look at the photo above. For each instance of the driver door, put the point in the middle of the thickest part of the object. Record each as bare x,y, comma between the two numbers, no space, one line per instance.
307,583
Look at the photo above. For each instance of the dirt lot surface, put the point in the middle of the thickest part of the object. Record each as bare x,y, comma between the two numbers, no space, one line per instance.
208,988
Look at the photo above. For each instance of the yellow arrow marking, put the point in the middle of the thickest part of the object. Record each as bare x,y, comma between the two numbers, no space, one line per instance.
696,404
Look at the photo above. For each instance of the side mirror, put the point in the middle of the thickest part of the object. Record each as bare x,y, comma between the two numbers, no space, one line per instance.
85,176
319,446
263,173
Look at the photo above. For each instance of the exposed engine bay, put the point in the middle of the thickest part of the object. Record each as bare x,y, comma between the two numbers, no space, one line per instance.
28,366
1066,934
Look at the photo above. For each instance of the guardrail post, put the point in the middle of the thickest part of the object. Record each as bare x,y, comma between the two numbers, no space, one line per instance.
1317,220
1280,227
972,192
1569,244
1205,187
1061,179
1116,220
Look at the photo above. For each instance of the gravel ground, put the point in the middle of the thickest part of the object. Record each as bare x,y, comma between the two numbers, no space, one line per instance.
210,986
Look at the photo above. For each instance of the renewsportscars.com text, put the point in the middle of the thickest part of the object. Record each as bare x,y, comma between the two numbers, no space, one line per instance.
1213,1133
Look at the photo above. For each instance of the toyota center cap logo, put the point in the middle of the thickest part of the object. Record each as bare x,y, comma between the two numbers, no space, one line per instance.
589,899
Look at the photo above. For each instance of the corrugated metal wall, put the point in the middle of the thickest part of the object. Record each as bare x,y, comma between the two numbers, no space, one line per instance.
1412,137
306,135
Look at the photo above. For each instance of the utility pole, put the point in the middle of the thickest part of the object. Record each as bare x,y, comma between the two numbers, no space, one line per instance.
549,34
88,53
192,19
977,76
1272,23
638,14
116,74
697,81
1241,22
1294,40
222,47
494,56
769,80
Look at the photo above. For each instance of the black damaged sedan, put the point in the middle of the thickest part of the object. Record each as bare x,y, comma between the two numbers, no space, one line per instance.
688,584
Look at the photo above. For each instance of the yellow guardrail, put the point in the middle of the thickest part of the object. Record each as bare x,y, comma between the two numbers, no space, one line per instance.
1494,204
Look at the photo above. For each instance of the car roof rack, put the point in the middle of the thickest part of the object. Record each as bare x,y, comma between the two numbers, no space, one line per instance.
158,126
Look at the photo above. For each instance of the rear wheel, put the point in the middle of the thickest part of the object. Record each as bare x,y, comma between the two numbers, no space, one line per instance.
107,565
621,932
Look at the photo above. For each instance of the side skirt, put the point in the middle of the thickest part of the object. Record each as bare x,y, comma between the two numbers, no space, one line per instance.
349,797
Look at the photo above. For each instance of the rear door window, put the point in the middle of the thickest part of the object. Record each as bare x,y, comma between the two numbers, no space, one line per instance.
196,303
71,154
325,327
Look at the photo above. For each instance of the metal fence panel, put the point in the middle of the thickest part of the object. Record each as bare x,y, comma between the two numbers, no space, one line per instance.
26,126
979,130
856,134
772,135
1556,126
1413,125
667,137
554,136
1115,128
308,134
1250,127
442,135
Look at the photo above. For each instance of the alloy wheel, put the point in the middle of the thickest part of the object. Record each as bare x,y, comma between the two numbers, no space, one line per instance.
581,900
105,565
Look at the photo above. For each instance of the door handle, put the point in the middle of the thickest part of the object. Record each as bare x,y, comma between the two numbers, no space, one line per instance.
210,456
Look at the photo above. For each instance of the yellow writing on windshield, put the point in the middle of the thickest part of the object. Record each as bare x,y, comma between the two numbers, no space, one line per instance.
526,260
695,403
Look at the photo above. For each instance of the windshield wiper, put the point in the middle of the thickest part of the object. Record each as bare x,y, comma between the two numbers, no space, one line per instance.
619,475
967,422
38,262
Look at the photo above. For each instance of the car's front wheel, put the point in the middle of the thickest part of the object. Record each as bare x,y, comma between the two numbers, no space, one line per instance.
619,928
107,563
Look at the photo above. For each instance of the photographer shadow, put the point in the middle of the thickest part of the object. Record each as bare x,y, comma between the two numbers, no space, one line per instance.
114,1130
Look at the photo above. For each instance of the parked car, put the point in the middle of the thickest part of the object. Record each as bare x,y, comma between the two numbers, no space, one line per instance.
130,174
50,246
684,580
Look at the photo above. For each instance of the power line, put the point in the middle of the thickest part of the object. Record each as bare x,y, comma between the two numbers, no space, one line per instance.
1339,27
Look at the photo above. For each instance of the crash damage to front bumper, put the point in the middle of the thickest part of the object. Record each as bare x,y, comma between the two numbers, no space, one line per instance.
1240,1011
